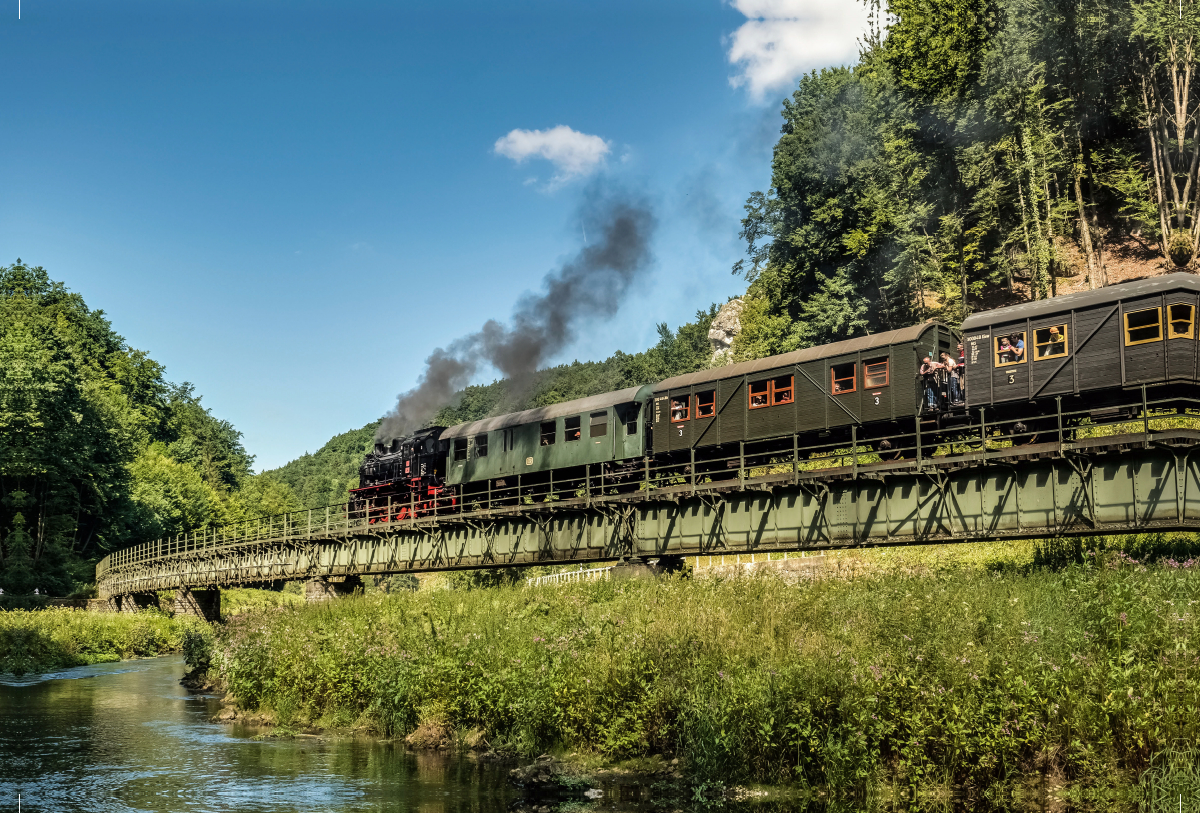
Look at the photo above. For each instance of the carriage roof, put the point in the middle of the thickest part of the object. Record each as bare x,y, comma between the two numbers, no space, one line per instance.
904,335
1083,299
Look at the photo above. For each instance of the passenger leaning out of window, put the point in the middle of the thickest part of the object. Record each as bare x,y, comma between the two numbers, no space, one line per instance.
1055,345
1017,340
1004,353
951,367
962,368
929,374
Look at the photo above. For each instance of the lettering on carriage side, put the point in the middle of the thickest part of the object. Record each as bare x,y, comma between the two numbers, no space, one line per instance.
876,395
658,402
1012,376
976,345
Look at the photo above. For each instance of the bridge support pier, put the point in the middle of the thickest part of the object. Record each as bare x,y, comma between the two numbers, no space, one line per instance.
331,587
204,604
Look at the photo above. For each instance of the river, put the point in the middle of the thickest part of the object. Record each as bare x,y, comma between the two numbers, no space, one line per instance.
127,737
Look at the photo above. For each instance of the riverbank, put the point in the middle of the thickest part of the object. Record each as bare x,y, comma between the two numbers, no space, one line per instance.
937,675
43,640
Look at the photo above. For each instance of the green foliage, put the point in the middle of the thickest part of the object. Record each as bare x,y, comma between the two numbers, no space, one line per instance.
237,600
971,142
97,449
942,676
52,639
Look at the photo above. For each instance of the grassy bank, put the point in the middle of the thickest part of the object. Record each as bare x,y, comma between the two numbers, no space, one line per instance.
969,673
55,638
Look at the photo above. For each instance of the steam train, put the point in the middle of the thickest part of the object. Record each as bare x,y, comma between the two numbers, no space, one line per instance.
1087,355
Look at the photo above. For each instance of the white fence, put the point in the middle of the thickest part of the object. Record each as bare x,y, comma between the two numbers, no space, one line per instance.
581,575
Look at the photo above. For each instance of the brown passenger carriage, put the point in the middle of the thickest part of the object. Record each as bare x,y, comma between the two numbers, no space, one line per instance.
866,388
1087,350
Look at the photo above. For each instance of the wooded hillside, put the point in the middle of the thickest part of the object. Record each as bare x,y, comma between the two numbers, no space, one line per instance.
978,153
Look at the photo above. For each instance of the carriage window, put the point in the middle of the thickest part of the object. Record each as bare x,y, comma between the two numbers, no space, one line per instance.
1183,325
460,449
599,425
1050,342
571,429
631,421
1010,349
760,393
706,404
548,433
875,373
481,445
781,390
1143,326
679,409
843,378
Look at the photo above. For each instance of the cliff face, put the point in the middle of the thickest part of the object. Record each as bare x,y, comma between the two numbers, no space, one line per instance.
725,327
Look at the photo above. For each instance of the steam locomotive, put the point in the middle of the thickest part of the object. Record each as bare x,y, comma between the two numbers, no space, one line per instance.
1087,355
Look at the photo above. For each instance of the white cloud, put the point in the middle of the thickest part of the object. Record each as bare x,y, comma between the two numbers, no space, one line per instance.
783,39
572,153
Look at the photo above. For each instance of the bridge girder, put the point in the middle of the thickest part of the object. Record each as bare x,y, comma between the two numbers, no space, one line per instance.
1130,484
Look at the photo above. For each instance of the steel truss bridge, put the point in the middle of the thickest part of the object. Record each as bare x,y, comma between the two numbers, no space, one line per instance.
988,481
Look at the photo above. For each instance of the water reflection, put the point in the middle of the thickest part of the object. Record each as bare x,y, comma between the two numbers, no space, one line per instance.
122,737
126,737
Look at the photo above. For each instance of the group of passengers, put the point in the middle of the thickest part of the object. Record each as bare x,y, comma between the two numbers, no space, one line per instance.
945,380
1011,349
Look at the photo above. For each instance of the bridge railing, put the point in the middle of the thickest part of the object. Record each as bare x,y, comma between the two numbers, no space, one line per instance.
984,433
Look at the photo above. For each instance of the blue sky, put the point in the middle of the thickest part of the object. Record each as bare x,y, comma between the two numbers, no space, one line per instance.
291,204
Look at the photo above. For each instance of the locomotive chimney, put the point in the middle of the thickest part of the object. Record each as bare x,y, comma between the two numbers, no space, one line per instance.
395,445
380,448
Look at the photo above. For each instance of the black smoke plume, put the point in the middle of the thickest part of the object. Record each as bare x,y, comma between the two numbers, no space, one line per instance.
589,286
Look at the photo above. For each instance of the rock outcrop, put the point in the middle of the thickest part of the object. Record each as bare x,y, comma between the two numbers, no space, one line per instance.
725,327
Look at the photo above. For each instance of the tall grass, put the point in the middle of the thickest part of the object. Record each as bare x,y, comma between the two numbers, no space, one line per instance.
42,640
942,676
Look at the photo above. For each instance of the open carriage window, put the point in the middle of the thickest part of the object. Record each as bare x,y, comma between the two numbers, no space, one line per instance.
760,394
842,376
680,410
571,429
599,427
1143,326
781,390
481,445
1050,342
1010,349
548,433
706,404
631,419
460,449
875,373
1181,317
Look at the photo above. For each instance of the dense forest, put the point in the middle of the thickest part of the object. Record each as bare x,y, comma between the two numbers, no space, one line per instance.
97,448
980,152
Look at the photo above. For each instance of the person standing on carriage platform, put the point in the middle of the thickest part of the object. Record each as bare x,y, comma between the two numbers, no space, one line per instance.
955,389
929,375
